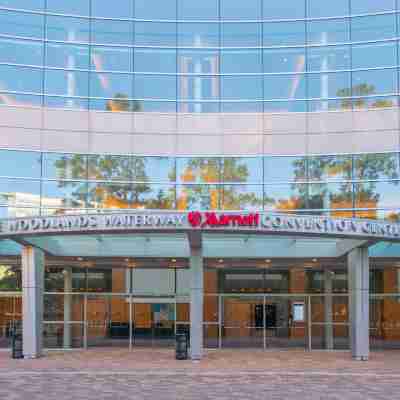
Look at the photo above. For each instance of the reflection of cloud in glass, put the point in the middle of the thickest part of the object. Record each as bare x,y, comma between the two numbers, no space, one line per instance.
98,63
296,79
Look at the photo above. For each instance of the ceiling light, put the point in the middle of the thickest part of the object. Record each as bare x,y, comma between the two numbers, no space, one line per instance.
174,260
220,260
314,260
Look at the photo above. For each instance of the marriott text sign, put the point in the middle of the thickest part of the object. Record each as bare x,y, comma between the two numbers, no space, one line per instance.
263,223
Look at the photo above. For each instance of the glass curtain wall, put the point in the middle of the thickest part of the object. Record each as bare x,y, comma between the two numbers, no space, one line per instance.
175,56
359,185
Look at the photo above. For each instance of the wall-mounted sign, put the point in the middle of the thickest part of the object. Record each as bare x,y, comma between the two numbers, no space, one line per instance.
156,221
298,312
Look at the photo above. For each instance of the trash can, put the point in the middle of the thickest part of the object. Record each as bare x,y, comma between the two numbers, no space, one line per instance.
181,346
16,341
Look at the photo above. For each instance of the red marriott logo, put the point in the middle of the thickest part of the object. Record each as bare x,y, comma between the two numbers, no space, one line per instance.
212,219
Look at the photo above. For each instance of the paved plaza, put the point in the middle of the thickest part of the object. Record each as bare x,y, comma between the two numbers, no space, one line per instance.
222,374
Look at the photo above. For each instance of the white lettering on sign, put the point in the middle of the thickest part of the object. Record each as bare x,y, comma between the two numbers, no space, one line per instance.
207,221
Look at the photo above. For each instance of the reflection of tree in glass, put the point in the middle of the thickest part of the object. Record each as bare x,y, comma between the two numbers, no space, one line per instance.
363,89
213,170
117,189
9,277
121,102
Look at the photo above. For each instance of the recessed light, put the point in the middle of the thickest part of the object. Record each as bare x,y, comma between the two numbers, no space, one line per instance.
267,260
314,260
174,260
220,260
80,259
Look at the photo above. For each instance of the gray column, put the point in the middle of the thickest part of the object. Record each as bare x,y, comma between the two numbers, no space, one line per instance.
32,301
358,269
196,304
67,339
328,278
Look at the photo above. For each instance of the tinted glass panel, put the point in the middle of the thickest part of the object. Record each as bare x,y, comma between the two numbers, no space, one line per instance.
329,9
327,168
384,55
375,27
242,197
159,197
329,85
374,82
16,51
155,34
113,32
284,34
155,87
198,34
281,169
20,193
205,10
110,195
110,168
59,82
64,166
205,170
155,60
20,164
63,194
198,197
238,9
284,9
119,9
36,5
328,31
21,24
284,60
20,79
376,166
376,194
156,169
241,61
111,58
240,35
67,55
284,86
113,86
67,29
370,6
155,9
285,197
77,7
329,58
330,196
243,87
240,169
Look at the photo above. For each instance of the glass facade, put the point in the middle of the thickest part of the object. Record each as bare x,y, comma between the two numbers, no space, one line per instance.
222,56
33,183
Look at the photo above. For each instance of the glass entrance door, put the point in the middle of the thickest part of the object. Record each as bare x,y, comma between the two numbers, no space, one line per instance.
153,323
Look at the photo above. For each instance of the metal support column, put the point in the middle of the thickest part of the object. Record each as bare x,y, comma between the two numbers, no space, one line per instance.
32,301
328,307
67,339
358,269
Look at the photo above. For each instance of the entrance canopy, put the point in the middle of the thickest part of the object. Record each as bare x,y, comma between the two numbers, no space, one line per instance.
172,234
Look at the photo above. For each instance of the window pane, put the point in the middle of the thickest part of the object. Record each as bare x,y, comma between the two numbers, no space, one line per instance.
111,58
384,55
281,169
200,61
155,9
376,166
367,83
204,10
155,169
113,32
64,194
113,86
158,197
198,34
241,87
21,79
66,102
284,86
67,29
198,107
67,56
155,60
285,197
64,166
117,168
198,197
377,194
23,164
328,168
242,197
35,5
240,169
207,170
284,9
284,34
329,85
69,83
328,31
331,58
330,196
155,106
377,27
284,60
241,61
238,9
110,195
19,193
240,35
155,87
21,24
198,87
155,34
370,6
76,7
118,9
16,51
328,9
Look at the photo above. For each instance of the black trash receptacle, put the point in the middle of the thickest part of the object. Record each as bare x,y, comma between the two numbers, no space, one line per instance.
17,350
181,346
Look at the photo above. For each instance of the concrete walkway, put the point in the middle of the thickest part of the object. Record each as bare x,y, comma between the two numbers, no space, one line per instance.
222,374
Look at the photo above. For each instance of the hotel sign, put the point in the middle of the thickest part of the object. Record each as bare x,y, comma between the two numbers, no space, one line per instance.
229,222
